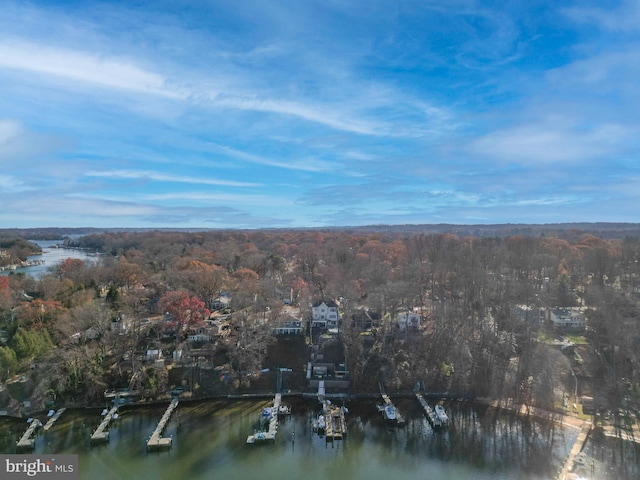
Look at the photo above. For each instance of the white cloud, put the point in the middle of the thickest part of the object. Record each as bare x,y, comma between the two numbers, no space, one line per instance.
12,184
549,142
160,177
256,200
306,165
626,18
9,129
91,68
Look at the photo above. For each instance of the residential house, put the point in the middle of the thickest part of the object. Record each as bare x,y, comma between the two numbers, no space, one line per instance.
121,325
201,334
221,302
324,313
526,313
155,354
288,325
408,320
365,319
566,318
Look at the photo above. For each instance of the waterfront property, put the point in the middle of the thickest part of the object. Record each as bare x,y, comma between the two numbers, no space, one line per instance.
434,420
335,425
268,427
390,412
486,443
156,441
575,452
101,434
26,442
53,418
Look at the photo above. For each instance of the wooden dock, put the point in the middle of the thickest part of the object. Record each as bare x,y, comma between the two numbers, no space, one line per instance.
390,412
26,442
575,451
53,419
335,425
101,433
429,412
268,434
156,441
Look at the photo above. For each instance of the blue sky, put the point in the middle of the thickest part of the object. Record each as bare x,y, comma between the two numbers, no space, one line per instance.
252,114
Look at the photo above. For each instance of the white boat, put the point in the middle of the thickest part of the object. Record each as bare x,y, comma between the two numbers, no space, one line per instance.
441,414
390,412
320,424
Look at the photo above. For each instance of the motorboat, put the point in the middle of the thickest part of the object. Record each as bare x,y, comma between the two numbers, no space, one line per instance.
390,412
320,424
441,414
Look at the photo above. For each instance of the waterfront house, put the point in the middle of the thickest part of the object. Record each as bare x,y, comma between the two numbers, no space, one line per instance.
288,325
567,318
324,313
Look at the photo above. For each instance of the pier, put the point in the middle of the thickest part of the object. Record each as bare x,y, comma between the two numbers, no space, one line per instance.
26,442
335,425
390,412
270,417
101,433
429,412
53,419
156,441
569,464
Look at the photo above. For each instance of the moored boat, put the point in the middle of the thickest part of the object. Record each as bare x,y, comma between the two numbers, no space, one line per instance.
441,414
390,413
319,424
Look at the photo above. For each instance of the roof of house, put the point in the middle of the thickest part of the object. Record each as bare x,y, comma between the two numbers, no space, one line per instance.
329,302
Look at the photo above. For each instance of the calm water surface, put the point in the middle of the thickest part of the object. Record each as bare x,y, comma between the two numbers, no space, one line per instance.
209,441
51,257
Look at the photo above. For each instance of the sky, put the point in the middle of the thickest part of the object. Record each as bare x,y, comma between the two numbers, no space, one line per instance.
289,113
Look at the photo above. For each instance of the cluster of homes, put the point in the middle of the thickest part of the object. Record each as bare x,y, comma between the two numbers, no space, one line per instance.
326,316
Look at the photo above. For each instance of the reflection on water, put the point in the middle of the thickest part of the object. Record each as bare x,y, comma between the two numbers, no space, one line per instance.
209,441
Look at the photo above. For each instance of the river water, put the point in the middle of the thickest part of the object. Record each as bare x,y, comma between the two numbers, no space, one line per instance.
51,256
209,441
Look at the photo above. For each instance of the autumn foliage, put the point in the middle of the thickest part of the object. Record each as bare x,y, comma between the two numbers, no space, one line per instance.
185,311
4,288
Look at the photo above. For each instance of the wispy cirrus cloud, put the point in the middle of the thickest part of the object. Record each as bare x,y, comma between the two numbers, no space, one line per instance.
91,68
623,18
160,177
556,141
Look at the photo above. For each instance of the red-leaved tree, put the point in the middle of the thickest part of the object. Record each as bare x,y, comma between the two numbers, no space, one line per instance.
4,291
186,311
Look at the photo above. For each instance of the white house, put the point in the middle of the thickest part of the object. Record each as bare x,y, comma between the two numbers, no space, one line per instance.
289,327
202,334
408,320
324,314
567,318
155,354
